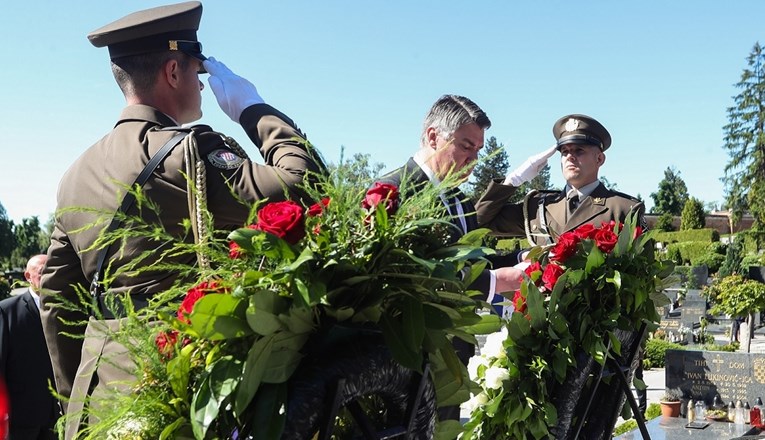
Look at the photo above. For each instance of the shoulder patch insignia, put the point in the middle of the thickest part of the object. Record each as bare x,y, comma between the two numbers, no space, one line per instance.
224,159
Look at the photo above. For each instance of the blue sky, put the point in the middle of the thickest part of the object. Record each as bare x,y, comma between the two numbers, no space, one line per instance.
659,75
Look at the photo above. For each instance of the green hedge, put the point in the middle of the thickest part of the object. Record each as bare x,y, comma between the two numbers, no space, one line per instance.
656,349
688,250
711,260
708,235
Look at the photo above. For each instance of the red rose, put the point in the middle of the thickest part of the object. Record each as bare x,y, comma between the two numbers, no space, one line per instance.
317,208
605,239
531,268
519,302
564,248
379,193
234,250
585,232
194,294
283,219
638,232
165,342
550,275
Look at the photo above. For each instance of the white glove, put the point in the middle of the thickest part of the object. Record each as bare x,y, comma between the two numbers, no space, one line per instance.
234,93
530,168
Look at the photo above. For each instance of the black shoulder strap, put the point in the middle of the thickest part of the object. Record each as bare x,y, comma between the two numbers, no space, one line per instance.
127,203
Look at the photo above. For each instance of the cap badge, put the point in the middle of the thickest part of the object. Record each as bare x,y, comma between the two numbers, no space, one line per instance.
173,44
572,124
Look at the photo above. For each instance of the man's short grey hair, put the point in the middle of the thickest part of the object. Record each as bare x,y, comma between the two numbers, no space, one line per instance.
450,113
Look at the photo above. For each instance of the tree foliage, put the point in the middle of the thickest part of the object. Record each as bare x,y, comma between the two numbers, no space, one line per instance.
7,239
492,164
671,195
664,222
736,296
693,216
30,240
358,171
744,178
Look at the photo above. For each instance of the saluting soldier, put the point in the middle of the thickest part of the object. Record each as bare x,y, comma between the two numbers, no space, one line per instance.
156,59
544,215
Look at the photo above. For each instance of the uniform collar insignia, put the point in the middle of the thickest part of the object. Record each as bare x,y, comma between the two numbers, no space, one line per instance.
598,201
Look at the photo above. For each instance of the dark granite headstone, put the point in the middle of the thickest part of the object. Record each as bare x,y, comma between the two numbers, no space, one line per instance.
703,374
692,311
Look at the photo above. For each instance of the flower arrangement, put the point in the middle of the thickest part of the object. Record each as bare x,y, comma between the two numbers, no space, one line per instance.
220,362
575,294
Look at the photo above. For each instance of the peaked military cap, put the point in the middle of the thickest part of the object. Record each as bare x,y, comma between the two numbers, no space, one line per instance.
581,129
170,27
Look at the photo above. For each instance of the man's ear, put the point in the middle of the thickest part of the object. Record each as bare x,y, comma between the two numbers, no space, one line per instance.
431,137
171,72
601,159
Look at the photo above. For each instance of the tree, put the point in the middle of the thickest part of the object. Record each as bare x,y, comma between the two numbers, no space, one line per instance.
492,164
664,222
7,239
28,241
358,171
744,178
693,216
672,193
608,184
738,297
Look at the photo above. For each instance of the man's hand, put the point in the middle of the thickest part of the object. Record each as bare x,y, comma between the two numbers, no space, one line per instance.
508,280
234,93
530,168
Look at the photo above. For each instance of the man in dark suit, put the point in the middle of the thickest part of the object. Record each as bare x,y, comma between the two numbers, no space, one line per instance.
25,363
544,215
156,60
452,136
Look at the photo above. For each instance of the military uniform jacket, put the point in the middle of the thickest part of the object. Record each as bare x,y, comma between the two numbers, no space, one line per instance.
93,187
541,218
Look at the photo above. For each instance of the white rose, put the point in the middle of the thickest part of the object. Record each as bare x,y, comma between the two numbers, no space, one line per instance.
494,377
475,402
494,344
474,363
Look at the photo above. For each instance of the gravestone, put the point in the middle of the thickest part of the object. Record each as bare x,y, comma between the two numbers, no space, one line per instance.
693,308
704,374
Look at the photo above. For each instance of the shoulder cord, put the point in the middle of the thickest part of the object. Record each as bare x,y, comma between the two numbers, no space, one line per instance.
196,196
526,221
197,190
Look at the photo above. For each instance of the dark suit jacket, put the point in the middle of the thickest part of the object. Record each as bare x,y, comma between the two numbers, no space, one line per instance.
417,178
542,215
25,364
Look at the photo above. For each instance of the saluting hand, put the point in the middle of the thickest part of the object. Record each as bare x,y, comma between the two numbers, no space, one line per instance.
234,93
530,168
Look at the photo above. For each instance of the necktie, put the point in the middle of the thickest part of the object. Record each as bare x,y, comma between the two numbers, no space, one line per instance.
573,203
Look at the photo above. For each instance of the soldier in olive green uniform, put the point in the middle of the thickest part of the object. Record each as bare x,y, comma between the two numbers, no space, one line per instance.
156,59
544,215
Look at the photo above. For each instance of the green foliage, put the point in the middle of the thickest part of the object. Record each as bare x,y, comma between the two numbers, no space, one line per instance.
246,320
656,349
5,288
751,260
664,222
359,170
672,193
512,244
7,238
595,292
708,235
733,257
30,240
731,348
693,216
492,164
745,143
736,296
688,250
653,411
625,427
711,260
